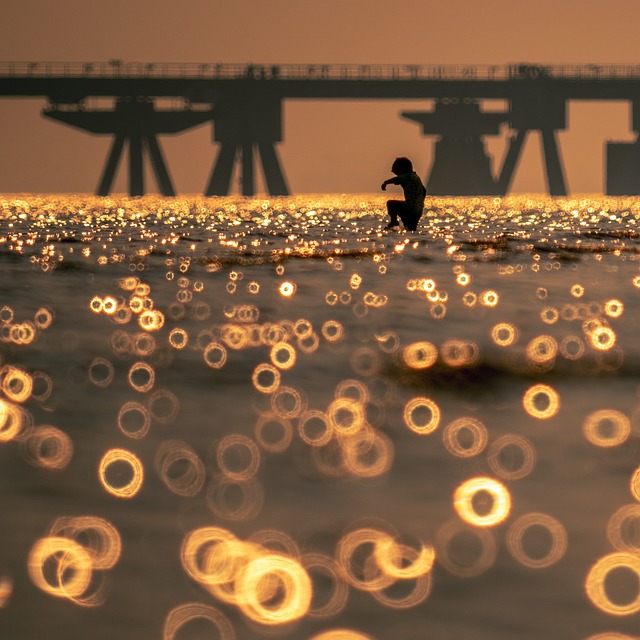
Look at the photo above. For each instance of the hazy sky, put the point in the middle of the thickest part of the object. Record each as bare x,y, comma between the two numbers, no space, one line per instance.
332,146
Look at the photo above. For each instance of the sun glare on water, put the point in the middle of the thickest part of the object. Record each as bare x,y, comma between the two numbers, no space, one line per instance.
294,414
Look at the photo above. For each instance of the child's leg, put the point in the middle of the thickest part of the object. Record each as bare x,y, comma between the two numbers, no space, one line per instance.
409,219
394,208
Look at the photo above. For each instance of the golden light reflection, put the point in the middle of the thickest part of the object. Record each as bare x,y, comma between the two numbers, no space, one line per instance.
600,577
22,333
142,377
367,454
388,341
238,457
572,347
512,457
163,406
422,415
362,354
516,540
283,355
287,289
11,420
341,634
634,484
469,299
266,378
549,315
273,433
181,615
288,402
48,447
488,495
215,355
235,500
15,383
333,331
623,529
611,635
96,535
352,564
417,595
42,388
401,561
459,353
269,588
276,541
73,568
606,428
354,390
314,428
151,320
602,338
6,589
577,290
121,473
465,437
6,315
541,401
329,458
327,567
109,305
345,416
178,338
613,308
420,355
180,468
542,349
101,372
504,334
196,550
256,584
489,298
43,318
134,420
465,551
309,344
365,361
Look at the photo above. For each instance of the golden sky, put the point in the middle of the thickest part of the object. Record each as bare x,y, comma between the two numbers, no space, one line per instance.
331,146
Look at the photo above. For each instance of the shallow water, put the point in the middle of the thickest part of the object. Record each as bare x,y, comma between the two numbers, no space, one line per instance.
287,372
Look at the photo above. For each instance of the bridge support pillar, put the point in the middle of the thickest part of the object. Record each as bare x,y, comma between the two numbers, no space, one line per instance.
554,171
461,165
247,126
138,145
622,170
533,111
134,125
244,153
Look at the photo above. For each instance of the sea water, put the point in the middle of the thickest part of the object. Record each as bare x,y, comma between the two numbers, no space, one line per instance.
270,417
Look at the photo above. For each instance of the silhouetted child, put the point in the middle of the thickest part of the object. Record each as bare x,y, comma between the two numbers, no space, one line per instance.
409,210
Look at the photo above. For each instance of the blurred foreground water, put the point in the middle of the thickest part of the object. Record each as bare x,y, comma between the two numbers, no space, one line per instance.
256,418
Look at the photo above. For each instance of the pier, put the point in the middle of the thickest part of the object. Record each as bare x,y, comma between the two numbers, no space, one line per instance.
243,103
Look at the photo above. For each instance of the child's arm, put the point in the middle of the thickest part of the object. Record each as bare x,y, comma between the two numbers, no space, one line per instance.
389,181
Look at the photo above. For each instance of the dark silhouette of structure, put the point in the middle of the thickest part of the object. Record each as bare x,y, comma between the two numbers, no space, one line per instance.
136,123
246,124
461,165
244,104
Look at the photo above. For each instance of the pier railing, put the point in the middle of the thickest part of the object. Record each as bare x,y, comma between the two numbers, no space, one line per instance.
220,71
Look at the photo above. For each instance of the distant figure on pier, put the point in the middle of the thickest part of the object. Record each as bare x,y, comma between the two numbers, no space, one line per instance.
410,209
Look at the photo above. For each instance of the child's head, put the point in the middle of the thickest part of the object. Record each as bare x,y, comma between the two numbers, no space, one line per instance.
401,165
